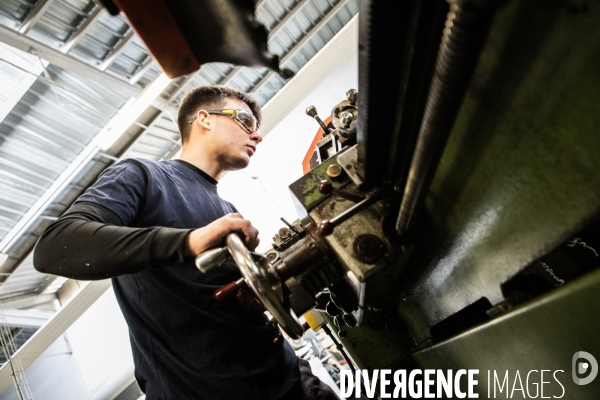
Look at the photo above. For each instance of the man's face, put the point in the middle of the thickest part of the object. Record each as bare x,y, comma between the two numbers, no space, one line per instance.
233,145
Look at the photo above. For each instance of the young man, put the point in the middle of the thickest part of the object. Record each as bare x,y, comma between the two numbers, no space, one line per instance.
142,223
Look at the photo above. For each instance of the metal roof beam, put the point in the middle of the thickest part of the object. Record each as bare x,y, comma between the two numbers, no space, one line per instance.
65,61
313,31
26,318
29,300
141,71
34,15
116,51
83,29
23,86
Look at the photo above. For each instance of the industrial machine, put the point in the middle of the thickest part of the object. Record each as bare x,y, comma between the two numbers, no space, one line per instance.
450,216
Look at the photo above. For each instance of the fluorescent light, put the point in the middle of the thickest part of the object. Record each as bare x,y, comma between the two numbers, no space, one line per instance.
3,258
127,115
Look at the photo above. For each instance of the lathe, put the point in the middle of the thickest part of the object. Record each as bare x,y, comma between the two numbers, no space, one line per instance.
449,218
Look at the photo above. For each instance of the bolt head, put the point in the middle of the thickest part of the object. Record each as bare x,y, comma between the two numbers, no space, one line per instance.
334,170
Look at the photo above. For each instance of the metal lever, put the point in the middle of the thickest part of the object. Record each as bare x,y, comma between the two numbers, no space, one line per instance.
311,111
212,258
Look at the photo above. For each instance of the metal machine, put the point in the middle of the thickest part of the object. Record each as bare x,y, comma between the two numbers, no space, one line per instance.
450,219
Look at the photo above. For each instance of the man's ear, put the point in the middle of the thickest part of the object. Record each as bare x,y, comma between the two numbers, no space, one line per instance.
203,118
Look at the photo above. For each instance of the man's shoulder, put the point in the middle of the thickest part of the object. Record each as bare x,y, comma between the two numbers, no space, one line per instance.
141,165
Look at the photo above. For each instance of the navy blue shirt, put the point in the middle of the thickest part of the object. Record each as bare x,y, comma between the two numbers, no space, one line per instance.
185,345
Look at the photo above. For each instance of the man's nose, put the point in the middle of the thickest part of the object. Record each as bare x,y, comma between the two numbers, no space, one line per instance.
256,137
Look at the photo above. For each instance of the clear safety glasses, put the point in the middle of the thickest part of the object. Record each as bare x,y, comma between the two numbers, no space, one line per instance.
245,118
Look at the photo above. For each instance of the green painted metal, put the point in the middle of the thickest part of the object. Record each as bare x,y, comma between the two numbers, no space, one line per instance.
374,348
306,189
519,175
520,172
541,335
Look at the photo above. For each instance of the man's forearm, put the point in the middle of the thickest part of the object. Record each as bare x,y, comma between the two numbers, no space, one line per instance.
89,243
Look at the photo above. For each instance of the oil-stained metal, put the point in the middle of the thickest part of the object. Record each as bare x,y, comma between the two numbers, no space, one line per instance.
368,248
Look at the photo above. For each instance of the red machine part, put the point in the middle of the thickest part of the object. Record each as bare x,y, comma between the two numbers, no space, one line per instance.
153,22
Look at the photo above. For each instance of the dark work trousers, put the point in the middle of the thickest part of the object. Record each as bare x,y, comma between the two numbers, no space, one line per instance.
309,387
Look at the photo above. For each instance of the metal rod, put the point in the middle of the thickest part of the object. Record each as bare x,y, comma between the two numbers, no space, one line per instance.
467,26
378,195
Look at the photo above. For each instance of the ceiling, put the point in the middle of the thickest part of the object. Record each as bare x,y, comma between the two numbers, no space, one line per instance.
69,73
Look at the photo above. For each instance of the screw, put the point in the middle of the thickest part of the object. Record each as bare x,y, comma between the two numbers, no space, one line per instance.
346,118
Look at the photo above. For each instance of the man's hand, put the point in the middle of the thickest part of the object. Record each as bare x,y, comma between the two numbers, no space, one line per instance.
212,235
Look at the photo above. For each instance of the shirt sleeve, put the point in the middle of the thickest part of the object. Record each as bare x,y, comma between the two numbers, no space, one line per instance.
89,242
122,189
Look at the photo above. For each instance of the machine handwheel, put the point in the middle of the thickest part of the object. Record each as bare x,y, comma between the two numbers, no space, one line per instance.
254,278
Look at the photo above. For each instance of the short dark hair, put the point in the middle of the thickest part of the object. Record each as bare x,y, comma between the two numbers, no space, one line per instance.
209,97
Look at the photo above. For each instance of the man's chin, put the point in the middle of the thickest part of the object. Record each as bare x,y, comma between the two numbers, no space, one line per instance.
238,164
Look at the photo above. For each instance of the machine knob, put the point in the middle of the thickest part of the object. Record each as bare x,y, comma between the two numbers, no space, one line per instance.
311,111
352,96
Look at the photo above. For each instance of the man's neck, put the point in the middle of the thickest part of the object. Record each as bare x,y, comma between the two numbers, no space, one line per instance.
203,162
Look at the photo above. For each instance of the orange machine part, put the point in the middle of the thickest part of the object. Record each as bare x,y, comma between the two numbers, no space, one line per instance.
313,145
153,22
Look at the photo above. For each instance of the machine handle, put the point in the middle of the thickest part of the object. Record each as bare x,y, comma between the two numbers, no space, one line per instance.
255,279
212,258
227,291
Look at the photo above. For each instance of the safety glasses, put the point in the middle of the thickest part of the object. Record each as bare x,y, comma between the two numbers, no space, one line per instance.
245,118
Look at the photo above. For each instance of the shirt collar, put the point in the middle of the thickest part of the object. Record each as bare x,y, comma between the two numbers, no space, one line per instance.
198,171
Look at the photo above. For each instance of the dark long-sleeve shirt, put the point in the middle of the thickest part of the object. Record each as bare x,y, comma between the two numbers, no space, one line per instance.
131,225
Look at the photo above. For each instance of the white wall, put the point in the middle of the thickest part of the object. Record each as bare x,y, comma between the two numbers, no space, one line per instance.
54,375
260,192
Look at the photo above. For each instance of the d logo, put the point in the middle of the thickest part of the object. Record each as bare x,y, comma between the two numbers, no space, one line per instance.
583,366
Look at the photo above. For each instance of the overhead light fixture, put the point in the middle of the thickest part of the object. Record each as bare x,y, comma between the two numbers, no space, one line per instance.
3,258
130,112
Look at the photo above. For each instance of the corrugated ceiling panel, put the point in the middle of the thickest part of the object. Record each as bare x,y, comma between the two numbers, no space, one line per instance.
13,12
44,132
